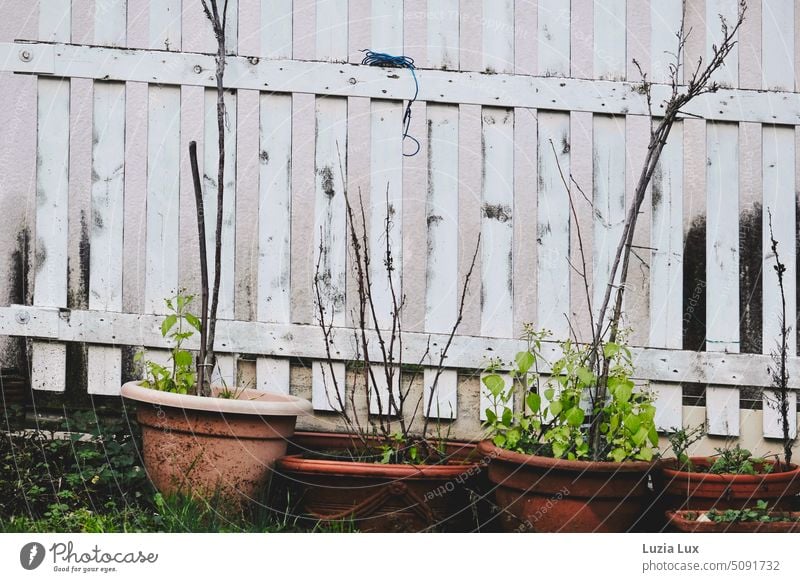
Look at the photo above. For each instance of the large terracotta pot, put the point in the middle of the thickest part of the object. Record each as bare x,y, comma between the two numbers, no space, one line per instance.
377,497
543,494
697,490
208,446
686,521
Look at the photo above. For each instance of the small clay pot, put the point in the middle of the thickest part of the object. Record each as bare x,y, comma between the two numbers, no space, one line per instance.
686,521
209,446
376,497
543,494
678,489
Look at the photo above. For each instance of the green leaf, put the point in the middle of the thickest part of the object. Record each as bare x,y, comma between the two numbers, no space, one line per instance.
508,416
491,417
183,358
534,401
640,436
586,376
575,416
549,393
610,350
524,361
645,454
495,384
169,321
193,321
623,391
653,435
558,450
556,408
632,423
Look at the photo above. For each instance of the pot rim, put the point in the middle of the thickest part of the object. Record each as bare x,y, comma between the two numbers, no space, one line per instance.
256,402
491,450
297,463
792,473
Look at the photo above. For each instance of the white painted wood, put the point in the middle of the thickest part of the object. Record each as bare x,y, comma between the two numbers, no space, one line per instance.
553,222
553,38
276,29
210,168
325,381
386,201
777,45
443,34
110,19
498,36
104,364
330,231
107,223
387,26
609,39
305,341
722,268
608,198
778,147
728,74
666,271
442,289
665,24
274,255
497,228
48,366
332,30
553,93
163,176
165,25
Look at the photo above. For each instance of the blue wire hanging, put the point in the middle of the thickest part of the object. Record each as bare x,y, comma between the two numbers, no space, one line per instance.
375,59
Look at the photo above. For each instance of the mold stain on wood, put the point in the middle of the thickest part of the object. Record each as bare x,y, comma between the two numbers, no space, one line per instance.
694,286
78,275
499,212
750,280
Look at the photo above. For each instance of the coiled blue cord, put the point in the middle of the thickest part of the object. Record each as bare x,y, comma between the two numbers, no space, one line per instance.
402,62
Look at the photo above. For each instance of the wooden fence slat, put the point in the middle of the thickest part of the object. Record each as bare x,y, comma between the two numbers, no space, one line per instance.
332,30
778,145
728,74
608,198
498,36
497,228
777,45
104,364
553,38
330,233
387,26
274,256
443,34
386,201
666,271
48,366
609,39
165,25
665,22
276,29
442,291
553,223
722,268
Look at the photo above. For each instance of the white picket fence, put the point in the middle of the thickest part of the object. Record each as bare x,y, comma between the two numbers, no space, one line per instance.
512,94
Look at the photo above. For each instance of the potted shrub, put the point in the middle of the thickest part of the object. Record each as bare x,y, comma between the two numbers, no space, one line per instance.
547,478
395,469
578,454
757,519
199,438
734,479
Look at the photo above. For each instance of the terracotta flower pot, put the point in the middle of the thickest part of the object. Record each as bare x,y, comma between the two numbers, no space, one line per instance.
698,490
207,446
686,521
379,497
543,494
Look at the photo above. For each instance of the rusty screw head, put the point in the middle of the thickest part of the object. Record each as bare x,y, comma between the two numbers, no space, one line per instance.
22,317
25,56
352,80
198,69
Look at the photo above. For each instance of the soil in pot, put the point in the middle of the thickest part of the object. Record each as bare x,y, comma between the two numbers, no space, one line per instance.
377,497
690,521
213,447
543,494
677,489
